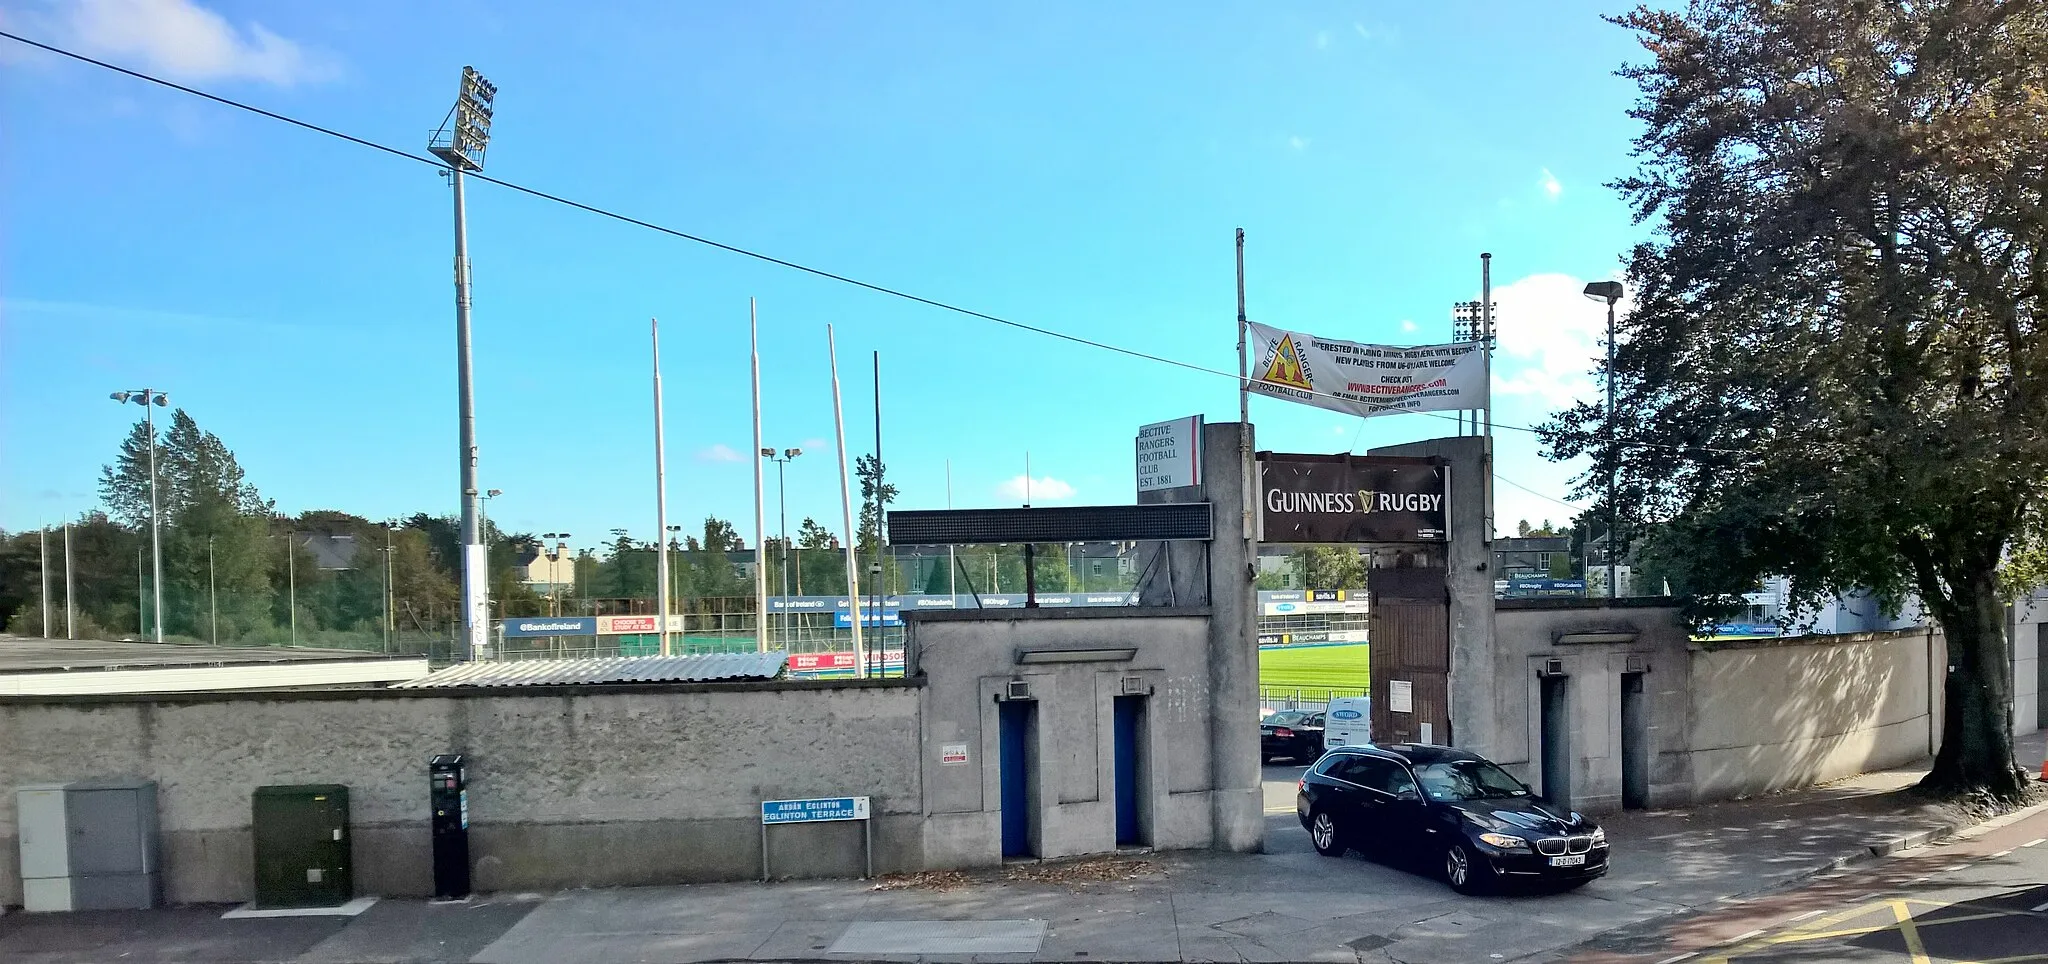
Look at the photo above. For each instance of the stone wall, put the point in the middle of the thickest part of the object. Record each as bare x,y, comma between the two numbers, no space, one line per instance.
587,787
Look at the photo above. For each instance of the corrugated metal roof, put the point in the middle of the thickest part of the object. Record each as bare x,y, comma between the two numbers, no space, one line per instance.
610,669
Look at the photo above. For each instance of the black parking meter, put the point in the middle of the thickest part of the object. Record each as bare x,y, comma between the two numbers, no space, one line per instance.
448,792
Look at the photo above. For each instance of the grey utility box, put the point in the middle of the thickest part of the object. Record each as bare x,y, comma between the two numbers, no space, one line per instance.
89,845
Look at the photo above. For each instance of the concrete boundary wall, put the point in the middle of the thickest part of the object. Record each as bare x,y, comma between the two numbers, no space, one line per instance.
1724,719
596,786
1771,715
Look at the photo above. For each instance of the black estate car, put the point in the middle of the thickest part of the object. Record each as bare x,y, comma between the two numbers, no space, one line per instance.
1446,808
1296,734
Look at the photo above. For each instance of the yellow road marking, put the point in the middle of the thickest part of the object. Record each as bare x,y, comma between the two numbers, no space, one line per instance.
1911,933
1825,928
1797,937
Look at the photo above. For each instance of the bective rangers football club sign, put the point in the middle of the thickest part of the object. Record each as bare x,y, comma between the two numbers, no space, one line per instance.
1306,499
1357,379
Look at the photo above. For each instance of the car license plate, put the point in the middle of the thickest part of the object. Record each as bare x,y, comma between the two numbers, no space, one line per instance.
1575,860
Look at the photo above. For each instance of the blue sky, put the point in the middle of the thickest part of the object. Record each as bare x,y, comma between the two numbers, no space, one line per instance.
1074,166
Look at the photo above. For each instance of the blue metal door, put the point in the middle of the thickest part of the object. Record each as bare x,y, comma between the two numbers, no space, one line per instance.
1127,711
1014,718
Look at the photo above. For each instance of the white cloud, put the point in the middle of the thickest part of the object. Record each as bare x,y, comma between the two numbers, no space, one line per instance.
1363,34
813,445
720,452
1550,336
1298,142
1552,187
1047,489
1322,39
187,41
1409,325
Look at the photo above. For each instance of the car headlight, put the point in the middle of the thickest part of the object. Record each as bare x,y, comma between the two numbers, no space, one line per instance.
1599,835
1504,842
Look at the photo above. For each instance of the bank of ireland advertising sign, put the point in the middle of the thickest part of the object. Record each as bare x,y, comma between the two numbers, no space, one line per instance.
1305,499
550,626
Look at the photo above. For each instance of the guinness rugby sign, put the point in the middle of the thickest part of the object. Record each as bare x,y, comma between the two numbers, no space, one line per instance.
1352,499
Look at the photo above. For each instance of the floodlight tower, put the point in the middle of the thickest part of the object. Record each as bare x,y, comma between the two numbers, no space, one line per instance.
461,140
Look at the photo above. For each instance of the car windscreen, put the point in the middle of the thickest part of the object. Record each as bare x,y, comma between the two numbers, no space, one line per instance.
1285,718
1456,780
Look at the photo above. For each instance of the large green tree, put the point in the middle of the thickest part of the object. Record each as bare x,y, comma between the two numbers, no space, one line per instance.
216,560
1328,567
1835,365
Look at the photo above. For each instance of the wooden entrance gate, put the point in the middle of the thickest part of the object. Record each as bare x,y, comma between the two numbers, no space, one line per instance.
1411,655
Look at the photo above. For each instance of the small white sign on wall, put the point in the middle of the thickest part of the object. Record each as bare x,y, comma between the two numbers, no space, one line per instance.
952,754
1400,696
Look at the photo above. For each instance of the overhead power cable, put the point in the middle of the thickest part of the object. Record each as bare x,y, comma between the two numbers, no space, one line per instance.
675,233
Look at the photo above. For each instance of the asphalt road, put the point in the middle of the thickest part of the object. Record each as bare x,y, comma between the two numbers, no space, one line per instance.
1983,900
1283,830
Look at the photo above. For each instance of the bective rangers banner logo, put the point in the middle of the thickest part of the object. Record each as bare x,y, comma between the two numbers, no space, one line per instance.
1357,379
1311,499
1285,368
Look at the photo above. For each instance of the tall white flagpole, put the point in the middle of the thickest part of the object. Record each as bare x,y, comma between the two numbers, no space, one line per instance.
860,665
760,507
1244,406
662,602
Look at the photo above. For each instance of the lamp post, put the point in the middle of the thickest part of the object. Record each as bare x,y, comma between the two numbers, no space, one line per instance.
460,142
483,512
291,576
390,551
1610,292
151,400
554,568
782,516
212,595
44,586
70,611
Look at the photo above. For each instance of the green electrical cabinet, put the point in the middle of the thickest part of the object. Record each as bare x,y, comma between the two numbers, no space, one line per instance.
302,846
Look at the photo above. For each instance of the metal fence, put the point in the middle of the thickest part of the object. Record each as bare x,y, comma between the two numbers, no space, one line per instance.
1301,697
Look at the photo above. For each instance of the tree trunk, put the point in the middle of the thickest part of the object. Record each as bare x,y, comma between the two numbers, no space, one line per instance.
1976,733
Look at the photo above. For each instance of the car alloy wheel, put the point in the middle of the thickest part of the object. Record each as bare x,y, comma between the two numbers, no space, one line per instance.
1322,832
1462,873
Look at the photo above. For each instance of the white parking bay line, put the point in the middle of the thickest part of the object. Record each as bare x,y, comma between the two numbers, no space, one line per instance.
1681,957
1809,915
2034,841
2039,909
1739,938
2002,853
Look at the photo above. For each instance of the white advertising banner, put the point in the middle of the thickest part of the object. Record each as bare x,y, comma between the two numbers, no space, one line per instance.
1357,379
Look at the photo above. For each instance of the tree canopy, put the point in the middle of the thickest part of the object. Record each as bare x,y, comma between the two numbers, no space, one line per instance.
1834,366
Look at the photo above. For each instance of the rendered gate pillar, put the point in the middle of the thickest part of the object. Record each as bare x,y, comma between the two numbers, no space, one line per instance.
1239,808
1469,558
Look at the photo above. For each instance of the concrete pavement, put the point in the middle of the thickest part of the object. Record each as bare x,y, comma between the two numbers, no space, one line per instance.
1285,905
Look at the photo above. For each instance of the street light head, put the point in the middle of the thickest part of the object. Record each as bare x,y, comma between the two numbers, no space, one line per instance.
493,493
791,453
159,399
1608,291
768,452
121,397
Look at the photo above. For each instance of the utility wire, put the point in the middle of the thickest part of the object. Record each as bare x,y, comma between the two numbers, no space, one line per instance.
686,236
1552,498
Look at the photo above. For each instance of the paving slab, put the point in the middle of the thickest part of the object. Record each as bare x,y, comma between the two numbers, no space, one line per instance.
413,932
930,937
